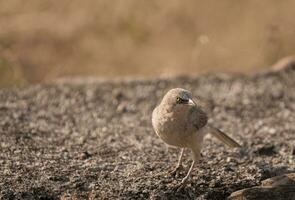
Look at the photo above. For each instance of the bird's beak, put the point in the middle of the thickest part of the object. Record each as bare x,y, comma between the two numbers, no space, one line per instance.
191,102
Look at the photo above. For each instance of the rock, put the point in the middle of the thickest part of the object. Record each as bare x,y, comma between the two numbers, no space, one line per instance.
287,64
286,179
276,188
265,192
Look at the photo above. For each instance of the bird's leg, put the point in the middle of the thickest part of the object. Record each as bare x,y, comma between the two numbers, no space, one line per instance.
196,158
184,180
188,173
179,163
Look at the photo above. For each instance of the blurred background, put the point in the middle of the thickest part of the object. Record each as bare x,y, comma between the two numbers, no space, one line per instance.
41,40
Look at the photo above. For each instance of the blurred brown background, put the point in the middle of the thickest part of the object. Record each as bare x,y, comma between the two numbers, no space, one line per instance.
43,39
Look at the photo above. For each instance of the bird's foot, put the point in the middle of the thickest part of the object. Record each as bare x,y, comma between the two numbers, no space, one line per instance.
184,180
176,170
181,185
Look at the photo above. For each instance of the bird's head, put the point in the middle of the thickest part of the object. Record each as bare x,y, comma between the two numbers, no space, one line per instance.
178,97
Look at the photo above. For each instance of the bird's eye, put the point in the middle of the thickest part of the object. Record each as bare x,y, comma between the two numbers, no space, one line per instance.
178,100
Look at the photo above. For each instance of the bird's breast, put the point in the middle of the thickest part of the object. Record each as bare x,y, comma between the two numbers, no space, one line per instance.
172,127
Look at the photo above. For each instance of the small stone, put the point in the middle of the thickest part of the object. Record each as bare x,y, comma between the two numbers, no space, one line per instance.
85,155
91,186
228,169
118,94
122,107
272,130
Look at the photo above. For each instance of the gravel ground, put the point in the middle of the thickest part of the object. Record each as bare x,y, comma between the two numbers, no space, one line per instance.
79,139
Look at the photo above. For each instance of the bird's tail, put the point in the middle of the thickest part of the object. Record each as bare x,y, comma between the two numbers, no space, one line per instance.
223,137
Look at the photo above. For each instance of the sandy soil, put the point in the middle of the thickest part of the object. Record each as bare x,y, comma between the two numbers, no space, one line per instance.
93,139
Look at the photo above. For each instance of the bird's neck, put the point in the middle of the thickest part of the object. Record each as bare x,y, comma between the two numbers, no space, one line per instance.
174,108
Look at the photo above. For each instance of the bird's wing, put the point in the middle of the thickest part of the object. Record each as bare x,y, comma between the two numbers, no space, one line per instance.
198,117
223,137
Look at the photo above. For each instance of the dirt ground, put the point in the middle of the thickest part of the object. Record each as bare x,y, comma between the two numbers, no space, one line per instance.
79,139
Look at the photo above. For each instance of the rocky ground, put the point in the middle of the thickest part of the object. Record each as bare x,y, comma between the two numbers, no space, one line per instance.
79,139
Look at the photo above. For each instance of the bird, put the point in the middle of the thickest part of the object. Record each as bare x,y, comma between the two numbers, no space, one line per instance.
180,122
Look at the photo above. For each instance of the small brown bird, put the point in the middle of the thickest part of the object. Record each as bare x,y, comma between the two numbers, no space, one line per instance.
180,122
